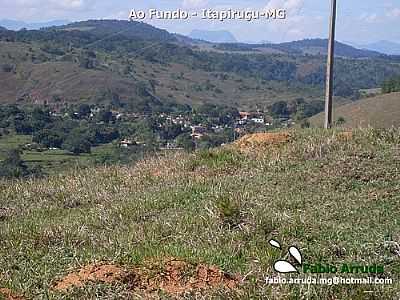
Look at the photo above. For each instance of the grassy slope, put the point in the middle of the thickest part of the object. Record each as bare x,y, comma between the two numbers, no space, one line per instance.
336,199
379,112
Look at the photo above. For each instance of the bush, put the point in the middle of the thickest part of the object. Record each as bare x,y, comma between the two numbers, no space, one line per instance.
230,212
186,142
49,138
7,68
14,167
77,145
390,86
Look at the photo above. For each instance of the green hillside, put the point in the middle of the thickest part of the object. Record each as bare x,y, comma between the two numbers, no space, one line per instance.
197,226
91,60
379,112
30,74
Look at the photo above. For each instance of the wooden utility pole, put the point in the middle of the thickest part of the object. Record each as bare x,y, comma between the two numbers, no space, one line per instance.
329,72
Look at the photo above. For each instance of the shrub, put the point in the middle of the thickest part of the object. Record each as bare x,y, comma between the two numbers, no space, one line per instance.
229,212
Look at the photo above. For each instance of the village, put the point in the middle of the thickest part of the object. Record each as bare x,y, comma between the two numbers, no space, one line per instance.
245,122
82,128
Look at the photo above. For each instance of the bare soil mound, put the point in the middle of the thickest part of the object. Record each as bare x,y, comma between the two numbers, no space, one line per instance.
10,295
172,276
91,273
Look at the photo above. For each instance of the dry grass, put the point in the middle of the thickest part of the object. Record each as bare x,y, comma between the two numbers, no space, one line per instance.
378,112
335,195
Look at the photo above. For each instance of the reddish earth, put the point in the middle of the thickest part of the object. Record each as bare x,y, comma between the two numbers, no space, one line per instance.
101,273
173,276
10,295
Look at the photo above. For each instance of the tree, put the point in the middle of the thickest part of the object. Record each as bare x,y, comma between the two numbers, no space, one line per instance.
49,138
40,118
104,134
171,131
340,121
77,145
13,166
105,116
279,109
84,110
186,142
391,85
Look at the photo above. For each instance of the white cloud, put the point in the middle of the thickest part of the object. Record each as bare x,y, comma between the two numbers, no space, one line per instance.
52,4
290,5
194,3
40,10
393,13
369,17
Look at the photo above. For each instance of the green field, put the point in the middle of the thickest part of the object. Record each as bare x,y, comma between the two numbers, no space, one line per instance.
10,142
52,161
336,196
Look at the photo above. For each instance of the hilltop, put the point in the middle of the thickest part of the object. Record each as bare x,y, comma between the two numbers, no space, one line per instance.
198,225
56,65
320,46
379,112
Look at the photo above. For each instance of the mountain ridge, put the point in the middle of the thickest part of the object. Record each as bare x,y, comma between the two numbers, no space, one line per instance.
53,63
383,46
17,25
214,36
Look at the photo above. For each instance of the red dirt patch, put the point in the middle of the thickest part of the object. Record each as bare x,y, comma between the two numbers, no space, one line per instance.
173,276
94,273
10,295
262,140
179,277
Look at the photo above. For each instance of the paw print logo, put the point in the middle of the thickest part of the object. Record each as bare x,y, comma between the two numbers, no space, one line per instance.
283,266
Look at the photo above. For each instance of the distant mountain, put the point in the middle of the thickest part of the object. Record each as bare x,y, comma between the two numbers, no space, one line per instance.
387,47
221,36
17,25
257,42
302,47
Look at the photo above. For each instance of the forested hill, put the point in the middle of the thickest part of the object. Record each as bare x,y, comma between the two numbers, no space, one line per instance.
126,29
304,47
101,60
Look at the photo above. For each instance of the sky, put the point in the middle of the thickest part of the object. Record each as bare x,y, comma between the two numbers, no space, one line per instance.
359,21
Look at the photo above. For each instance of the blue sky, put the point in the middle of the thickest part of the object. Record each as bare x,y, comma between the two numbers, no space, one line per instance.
359,21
